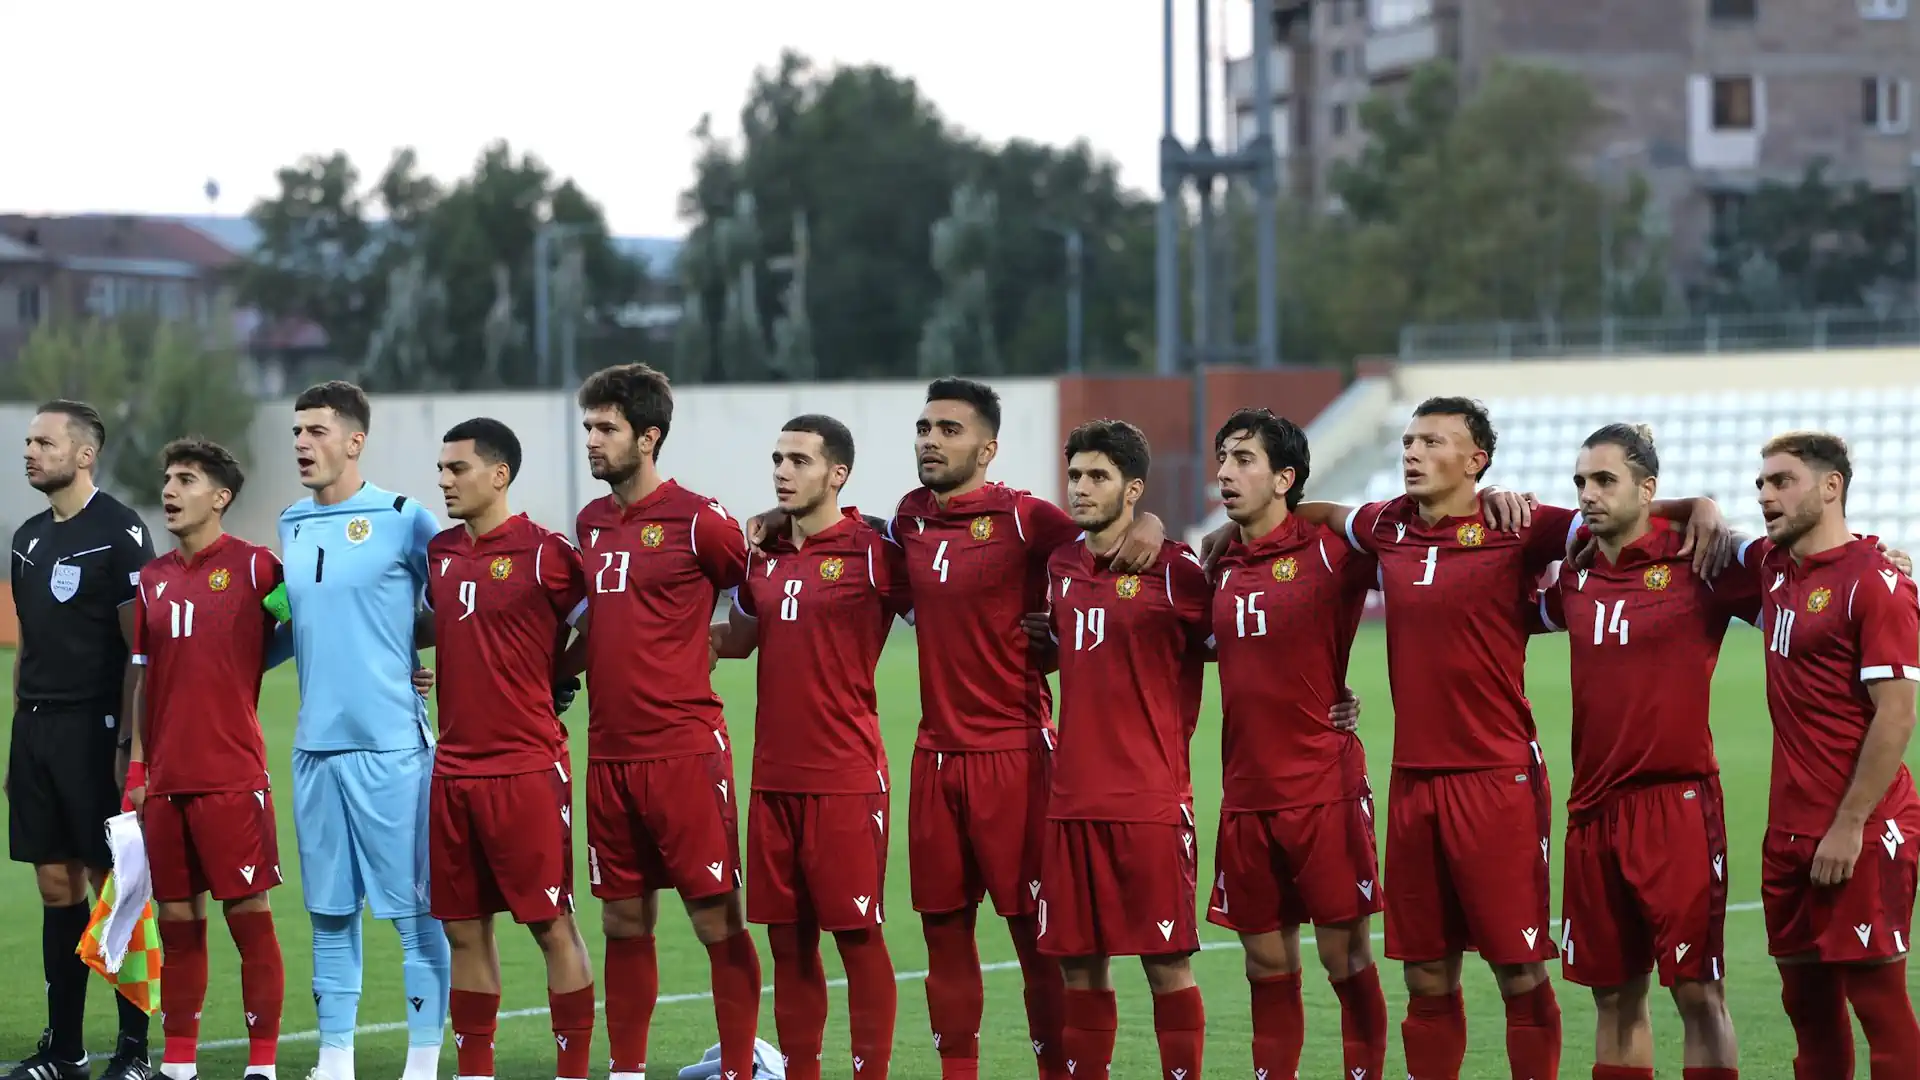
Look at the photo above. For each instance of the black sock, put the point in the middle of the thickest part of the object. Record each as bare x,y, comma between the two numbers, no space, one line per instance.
133,1022
60,932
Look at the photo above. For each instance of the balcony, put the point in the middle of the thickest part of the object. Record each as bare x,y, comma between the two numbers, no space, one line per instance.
1240,78
1400,49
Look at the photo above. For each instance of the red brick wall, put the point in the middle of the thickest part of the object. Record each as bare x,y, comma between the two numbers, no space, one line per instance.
1163,408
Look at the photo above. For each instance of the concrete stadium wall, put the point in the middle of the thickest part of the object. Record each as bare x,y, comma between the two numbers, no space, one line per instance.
719,446
1661,374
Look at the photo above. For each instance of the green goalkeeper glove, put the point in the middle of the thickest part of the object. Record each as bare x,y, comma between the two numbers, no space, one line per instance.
276,604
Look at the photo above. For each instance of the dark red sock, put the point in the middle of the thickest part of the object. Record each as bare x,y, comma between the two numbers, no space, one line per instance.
1533,1034
633,986
1879,997
1815,998
1279,1025
263,982
1363,1024
799,997
1435,1037
1702,1072
955,996
1092,1017
1046,990
873,1000
183,992
475,1017
1180,1027
572,1032
736,1000
1625,1072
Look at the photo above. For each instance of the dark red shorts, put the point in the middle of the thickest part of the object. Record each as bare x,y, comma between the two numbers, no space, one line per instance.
1467,865
502,843
1646,886
1118,889
974,827
221,842
1279,868
1867,917
669,823
817,858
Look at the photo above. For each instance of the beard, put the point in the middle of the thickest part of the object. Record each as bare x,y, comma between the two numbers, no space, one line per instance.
617,471
952,476
50,481
1797,523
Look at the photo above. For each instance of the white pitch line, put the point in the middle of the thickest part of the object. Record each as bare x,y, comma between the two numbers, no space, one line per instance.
680,999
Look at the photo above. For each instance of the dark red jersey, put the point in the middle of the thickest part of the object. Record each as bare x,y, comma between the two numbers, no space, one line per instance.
1132,661
655,570
822,613
1835,623
1284,614
200,630
502,604
977,565
1460,598
1644,634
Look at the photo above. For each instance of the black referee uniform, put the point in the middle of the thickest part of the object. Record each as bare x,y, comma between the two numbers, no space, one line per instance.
70,580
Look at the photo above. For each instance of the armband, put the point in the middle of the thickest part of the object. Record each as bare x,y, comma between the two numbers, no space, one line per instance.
276,604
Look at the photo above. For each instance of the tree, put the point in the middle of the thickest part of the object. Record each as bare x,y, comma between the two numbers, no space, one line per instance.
958,337
872,166
1810,245
334,253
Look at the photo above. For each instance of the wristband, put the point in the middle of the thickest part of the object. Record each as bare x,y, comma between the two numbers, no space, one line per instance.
136,775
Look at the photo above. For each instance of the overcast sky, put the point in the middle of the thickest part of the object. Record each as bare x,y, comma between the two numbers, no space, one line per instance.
133,106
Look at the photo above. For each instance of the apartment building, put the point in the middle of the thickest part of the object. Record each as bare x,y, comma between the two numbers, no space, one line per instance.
1709,97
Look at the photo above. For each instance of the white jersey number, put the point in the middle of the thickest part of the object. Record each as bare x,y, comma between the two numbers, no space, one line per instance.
1607,624
182,614
1430,564
1782,631
612,575
1089,629
1248,612
469,592
940,562
790,603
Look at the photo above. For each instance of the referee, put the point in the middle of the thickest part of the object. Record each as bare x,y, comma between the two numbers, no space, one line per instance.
75,570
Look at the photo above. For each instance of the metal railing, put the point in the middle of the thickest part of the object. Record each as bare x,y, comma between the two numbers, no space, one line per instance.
1778,331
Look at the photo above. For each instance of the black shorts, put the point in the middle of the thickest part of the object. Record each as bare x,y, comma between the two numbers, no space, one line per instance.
61,785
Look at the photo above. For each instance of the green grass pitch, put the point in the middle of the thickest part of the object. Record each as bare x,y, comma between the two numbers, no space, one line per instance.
683,1024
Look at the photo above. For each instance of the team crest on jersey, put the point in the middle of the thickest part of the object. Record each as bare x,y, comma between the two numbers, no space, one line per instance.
501,568
358,530
1127,587
1657,577
219,580
1818,600
831,569
1470,535
1285,568
653,535
982,528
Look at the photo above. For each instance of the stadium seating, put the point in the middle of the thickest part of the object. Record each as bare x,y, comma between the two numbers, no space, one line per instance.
1708,445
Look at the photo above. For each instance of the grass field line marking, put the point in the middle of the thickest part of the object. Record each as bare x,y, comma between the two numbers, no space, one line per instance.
681,999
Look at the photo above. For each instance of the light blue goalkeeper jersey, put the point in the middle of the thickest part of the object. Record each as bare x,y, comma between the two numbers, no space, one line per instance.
355,571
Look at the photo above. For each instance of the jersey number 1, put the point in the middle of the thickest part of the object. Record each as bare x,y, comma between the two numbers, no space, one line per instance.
1430,564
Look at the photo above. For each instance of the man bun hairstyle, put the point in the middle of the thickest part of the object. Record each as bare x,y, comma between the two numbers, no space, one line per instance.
1636,445
1122,443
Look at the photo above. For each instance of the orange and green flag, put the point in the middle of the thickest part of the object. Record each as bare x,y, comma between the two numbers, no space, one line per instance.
132,966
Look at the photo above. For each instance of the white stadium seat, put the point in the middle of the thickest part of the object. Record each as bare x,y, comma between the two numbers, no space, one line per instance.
1709,444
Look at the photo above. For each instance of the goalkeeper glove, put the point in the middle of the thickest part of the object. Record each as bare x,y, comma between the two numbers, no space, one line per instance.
563,695
277,605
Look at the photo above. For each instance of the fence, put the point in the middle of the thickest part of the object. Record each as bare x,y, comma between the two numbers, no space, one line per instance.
1812,331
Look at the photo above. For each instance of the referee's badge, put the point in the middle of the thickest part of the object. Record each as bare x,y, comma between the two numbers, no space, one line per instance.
358,530
65,581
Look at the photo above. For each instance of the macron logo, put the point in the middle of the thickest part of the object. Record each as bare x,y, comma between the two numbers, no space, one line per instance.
1166,929
715,869
1892,578
247,872
136,532
1863,931
160,590
861,902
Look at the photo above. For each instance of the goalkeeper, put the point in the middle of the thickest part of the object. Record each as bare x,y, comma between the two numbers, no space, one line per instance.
356,562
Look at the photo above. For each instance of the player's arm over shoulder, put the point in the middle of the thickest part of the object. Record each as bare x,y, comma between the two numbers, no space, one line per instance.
719,544
738,634
563,573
